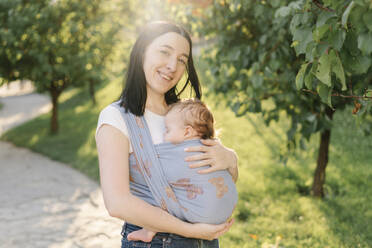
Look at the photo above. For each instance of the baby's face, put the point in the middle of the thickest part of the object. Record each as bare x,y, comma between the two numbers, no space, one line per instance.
174,127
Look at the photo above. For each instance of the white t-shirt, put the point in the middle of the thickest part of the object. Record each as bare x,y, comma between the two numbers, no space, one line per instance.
112,116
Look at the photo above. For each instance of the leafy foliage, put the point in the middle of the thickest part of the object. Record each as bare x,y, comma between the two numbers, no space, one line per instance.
58,44
266,51
308,58
64,42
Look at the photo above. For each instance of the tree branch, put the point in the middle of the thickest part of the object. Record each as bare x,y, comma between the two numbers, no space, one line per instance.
340,95
320,6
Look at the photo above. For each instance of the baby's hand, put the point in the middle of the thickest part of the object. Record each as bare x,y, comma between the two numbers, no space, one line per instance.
141,235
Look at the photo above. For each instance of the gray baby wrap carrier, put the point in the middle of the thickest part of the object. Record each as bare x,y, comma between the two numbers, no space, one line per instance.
160,176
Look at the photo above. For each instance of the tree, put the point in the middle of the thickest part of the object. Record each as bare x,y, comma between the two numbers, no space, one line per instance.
306,58
57,44
13,39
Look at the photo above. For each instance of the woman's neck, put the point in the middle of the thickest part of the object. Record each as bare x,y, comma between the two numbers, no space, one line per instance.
156,104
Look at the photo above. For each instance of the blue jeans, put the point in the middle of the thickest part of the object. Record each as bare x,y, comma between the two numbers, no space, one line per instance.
164,240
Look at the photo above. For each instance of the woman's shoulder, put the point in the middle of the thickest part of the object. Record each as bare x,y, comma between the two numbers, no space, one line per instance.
111,115
110,111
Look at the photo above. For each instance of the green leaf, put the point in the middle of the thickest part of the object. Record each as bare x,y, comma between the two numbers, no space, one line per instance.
321,48
346,14
282,12
367,18
309,81
257,81
365,43
351,43
336,39
323,72
300,76
337,68
235,107
324,17
304,36
306,17
320,31
296,20
311,52
235,55
325,94
360,64
355,19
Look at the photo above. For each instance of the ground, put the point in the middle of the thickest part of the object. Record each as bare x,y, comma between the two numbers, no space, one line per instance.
45,203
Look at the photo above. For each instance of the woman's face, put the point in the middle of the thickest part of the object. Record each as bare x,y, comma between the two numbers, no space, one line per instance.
165,62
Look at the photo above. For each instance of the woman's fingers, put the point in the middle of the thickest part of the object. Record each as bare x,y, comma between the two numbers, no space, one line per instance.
226,227
209,170
215,155
209,142
196,149
201,163
196,157
210,231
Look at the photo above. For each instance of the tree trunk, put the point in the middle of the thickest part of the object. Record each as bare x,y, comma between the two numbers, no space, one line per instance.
92,92
54,121
320,172
22,84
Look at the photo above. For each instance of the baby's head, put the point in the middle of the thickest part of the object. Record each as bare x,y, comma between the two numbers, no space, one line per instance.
188,119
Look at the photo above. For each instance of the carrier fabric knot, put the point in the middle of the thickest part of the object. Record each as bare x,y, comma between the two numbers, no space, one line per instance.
160,176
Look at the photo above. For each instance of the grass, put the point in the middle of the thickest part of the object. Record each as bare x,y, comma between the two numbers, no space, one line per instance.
75,143
273,207
1,105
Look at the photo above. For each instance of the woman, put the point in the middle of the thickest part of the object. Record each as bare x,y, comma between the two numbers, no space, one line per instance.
159,58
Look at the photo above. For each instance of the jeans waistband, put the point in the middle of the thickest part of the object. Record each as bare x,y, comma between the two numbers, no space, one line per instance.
128,228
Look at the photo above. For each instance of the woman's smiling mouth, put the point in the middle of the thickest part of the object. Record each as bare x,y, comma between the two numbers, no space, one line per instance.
166,77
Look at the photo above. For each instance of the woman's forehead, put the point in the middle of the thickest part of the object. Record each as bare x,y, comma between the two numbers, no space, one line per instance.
173,41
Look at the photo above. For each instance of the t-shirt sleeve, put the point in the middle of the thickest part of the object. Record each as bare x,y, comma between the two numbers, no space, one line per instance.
112,116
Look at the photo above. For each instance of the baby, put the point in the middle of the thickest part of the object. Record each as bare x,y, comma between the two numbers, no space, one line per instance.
186,120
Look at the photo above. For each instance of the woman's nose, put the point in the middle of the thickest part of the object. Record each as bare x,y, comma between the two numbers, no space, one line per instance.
172,64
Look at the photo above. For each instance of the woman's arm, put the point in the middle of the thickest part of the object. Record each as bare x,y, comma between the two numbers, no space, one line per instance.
113,153
216,155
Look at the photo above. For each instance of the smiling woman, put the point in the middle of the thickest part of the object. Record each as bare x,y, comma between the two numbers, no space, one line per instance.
164,64
165,51
160,57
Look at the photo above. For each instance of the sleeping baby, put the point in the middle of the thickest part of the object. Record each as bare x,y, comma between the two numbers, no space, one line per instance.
204,198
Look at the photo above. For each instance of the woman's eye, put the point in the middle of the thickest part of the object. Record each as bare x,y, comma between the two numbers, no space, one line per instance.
164,52
182,61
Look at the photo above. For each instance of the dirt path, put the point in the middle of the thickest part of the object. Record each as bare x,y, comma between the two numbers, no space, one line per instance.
44,203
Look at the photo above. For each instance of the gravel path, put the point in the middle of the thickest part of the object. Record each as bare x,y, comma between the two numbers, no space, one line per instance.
44,203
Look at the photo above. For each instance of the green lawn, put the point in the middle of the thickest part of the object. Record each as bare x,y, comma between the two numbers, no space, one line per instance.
273,206
1,105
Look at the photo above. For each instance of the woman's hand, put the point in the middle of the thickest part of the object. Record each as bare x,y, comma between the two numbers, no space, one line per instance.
216,155
209,231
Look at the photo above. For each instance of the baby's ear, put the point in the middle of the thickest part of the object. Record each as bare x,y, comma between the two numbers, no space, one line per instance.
190,131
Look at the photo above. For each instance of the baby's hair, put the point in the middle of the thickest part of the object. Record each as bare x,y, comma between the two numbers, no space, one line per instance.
197,115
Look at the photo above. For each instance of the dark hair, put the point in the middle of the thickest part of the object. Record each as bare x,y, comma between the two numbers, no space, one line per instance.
134,94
